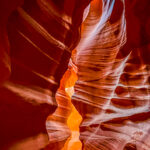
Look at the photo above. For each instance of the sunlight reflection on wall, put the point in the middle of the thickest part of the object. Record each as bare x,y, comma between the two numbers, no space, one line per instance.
74,120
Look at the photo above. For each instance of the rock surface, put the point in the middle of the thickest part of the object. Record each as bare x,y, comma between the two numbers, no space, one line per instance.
110,65
112,92
36,40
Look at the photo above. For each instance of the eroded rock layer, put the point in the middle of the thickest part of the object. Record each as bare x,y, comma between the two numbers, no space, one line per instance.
110,65
112,92
36,40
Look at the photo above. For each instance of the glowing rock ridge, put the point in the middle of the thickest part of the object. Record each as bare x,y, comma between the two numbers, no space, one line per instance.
63,59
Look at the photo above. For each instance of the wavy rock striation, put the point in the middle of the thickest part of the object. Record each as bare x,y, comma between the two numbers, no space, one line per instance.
111,42
36,40
112,92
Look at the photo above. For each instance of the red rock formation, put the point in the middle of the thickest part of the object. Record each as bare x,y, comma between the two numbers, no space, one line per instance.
36,40
57,127
63,124
112,59
112,91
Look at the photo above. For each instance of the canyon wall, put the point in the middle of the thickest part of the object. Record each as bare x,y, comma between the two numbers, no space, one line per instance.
112,92
108,74
36,41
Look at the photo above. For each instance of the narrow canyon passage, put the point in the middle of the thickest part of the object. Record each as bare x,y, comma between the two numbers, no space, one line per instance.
63,124
74,74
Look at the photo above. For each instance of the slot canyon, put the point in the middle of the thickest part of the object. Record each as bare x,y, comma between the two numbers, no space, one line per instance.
74,74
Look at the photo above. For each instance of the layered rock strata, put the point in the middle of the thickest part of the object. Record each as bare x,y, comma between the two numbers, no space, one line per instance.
112,92
36,40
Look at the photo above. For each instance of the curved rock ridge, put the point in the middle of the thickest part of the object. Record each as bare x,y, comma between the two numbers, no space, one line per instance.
112,92
63,124
57,123
36,41
109,66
